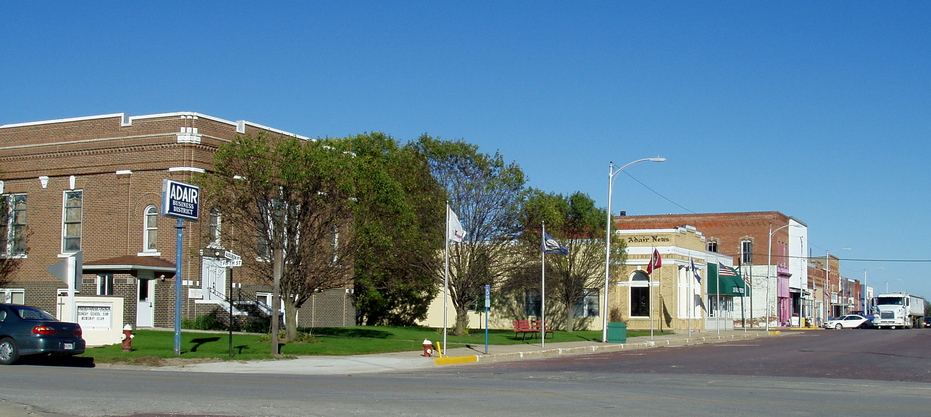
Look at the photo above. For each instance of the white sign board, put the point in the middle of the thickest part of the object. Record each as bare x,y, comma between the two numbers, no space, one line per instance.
180,200
95,316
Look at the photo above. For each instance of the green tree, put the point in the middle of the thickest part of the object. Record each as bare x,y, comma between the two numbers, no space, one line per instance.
486,194
283,193
575,222
397,227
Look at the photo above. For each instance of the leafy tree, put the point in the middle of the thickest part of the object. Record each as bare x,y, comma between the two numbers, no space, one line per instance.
284,193
397,228
576,223
486,194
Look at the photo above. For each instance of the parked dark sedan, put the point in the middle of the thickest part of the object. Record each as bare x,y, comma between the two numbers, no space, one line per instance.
28,330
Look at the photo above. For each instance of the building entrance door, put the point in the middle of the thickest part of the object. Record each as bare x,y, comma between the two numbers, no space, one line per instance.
214,283
145,306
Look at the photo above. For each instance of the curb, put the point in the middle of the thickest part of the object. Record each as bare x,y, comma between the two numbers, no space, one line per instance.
601,348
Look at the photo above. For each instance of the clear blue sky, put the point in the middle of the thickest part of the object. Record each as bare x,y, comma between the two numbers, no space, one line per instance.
819,110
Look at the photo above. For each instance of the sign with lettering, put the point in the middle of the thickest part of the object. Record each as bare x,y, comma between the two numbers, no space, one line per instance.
652,239
95,316
180,200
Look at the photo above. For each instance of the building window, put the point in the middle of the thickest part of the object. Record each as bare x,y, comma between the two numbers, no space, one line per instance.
588,305
214,226
151,229
13,233
746,251
71,223
640,294
532,303
105,284
13,296
713,246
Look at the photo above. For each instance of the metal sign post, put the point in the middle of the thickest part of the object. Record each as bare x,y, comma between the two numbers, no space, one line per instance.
487,306
181,201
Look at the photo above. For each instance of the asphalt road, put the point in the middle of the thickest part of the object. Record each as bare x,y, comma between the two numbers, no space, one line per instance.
850,372
876,355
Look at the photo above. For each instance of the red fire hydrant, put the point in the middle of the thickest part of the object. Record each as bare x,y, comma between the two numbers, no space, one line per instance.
127,338
427,348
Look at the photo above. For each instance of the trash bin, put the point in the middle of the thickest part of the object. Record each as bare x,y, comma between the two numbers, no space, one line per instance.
617,332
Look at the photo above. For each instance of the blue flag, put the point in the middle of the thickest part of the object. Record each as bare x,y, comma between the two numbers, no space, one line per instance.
695,271
550,245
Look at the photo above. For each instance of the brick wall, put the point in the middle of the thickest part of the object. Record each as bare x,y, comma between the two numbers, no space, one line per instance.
119,163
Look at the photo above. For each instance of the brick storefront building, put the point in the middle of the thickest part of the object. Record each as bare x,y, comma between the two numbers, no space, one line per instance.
745,238
93,185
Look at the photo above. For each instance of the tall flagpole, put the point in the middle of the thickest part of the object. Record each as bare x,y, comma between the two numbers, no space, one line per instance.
446,282
718,297
652,307
691,293
543,286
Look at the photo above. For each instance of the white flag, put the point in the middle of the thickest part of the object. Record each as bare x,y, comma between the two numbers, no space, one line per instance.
454,229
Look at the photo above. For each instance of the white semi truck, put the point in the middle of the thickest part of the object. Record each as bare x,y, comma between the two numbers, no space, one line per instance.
899,310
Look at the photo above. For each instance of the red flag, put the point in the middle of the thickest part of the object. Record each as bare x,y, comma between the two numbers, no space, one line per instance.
655,262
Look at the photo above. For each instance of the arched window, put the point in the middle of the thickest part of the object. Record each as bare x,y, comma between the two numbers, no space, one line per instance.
639,294
214,225
151,229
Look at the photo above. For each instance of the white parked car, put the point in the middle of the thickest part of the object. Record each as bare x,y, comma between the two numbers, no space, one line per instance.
850,321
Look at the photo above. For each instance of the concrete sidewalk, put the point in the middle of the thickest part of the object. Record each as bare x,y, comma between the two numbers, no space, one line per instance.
406,361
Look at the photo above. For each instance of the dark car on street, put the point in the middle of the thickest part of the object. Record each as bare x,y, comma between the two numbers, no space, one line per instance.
28,330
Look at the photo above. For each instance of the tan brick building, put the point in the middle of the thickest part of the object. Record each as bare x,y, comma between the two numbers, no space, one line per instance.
93,184
778,269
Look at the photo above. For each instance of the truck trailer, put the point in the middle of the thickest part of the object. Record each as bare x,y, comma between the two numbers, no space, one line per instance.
899,310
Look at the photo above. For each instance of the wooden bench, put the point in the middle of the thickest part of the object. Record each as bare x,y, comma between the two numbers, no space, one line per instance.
538,325
531,327
523,328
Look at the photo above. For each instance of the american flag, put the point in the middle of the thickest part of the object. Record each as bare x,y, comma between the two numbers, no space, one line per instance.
726,271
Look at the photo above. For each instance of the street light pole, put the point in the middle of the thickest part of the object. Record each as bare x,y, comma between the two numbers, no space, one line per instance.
611,174
769,265
865,310
827,274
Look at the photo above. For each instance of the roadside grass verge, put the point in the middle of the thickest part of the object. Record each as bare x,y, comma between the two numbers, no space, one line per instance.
338,341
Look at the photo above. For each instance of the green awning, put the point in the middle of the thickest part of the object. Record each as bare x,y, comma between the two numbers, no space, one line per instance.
730,285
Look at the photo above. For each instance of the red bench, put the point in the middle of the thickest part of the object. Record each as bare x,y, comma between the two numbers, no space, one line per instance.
531,327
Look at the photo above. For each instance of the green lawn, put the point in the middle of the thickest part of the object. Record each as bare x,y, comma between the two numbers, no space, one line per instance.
325,341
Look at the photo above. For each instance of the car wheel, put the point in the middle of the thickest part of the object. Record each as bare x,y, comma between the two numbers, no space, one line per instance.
9,353
838,326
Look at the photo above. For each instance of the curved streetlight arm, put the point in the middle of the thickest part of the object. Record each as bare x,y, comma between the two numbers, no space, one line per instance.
769,265
611,173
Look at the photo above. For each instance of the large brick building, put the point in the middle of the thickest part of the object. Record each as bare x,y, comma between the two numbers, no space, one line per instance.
92,185
779,273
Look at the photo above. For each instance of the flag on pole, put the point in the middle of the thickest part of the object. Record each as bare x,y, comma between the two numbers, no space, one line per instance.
454,229
726,271
695,271
656,261
550,245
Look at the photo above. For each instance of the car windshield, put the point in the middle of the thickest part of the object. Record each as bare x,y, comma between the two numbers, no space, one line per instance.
30,313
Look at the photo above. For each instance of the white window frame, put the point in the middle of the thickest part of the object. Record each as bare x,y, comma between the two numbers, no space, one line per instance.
15,227
8,295
590,304
639,283
65,222
104,284
746,251
150,231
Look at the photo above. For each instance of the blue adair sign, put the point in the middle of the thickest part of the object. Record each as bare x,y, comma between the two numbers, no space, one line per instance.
180,200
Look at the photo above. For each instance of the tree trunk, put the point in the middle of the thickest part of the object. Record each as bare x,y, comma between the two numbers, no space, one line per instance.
462,321
290,318
570,321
